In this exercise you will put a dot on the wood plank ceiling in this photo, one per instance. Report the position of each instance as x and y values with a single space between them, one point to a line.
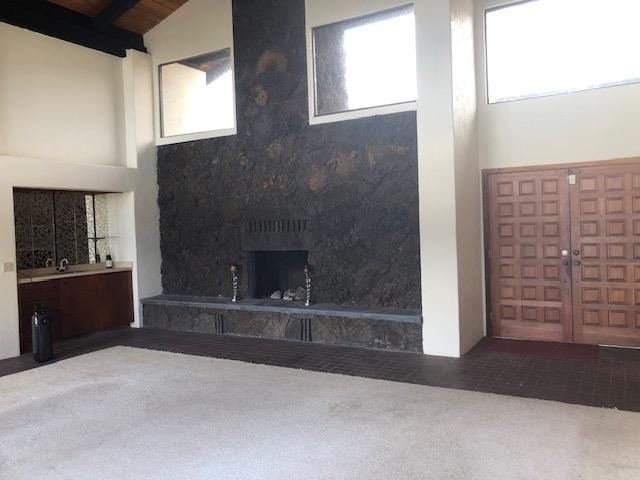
140 18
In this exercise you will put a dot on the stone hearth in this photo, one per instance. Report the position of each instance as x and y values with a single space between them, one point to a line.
386 329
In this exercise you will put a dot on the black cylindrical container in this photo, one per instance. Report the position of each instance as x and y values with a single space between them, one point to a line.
41 335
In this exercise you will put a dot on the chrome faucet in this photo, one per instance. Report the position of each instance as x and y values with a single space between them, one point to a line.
64 263
49 263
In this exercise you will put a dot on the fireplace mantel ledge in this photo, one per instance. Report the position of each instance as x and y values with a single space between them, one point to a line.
280 306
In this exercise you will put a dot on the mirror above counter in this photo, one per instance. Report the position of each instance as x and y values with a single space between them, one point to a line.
52 226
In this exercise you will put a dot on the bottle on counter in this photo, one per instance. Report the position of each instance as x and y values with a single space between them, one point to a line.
109 261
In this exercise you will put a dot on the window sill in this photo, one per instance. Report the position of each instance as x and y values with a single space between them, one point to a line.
190 137
363 113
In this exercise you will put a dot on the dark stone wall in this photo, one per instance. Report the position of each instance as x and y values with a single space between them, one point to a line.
347 192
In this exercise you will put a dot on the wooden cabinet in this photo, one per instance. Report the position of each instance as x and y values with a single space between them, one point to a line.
113 313
78 305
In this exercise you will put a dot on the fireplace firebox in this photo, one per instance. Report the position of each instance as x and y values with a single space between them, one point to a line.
272 271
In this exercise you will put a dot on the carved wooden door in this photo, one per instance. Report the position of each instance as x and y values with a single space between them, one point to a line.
605 219
564 254
529 219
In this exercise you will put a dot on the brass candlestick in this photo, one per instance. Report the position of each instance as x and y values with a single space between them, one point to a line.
234 281
307 284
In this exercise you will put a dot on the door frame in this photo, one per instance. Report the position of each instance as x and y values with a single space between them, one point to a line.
485 172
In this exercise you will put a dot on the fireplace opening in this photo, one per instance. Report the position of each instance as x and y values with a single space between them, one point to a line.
277 271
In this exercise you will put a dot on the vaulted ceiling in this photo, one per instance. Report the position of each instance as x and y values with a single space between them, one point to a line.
111 26
138 17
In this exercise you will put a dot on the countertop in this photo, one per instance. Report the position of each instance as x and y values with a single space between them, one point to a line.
45 274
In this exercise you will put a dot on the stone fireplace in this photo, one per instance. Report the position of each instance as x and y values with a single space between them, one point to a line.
342 197
346 192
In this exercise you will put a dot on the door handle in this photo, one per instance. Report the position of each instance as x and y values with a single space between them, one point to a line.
565 263
577 263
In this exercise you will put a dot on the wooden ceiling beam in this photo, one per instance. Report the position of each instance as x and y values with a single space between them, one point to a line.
59 22
112 12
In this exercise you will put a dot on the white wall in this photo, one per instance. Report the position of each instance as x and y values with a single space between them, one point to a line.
323 12
86 160
575 127
58 100
449 178
210 28
436 182
467 172
178 81
142 155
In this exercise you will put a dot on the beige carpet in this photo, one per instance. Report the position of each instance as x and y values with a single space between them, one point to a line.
126 413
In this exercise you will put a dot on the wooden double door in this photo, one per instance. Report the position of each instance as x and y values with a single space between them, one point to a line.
564 254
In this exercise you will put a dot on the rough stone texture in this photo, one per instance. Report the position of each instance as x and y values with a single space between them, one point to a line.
353 185
263 325
366 333
378 334
329 69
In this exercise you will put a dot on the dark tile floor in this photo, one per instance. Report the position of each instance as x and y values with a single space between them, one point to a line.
596 376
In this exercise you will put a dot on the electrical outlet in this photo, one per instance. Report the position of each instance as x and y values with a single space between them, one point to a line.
8 267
